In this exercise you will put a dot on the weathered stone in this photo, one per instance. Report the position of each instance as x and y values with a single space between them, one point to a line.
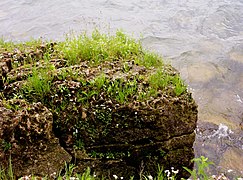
126 139
26 137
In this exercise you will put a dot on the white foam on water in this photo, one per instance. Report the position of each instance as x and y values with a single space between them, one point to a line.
222 131
239 99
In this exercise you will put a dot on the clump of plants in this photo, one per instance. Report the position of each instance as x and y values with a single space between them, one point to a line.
99 47
200 172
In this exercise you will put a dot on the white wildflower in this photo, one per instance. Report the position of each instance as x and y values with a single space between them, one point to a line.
213 176
73 178
150 177
175 172
167 172
115 176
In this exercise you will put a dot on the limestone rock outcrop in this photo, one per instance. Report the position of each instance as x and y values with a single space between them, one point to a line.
27 139
116 117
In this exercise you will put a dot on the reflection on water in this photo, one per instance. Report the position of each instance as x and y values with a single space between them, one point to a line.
203 39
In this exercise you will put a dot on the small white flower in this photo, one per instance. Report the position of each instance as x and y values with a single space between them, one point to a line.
230 170
53 174
73 178
115 176
175 172
121 177
150 177
167 172
213 176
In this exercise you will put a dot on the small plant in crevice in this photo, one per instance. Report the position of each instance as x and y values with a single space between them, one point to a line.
161 175
69 168
5 145
122 90
202 166
10 105
150 59
100 82
87 175
108 155
38 84
7 174
161 80
179 86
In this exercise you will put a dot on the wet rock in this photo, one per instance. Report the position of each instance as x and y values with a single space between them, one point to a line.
26 137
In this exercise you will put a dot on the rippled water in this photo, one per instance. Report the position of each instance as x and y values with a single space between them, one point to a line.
203 39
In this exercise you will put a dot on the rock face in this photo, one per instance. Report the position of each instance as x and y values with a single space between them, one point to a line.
140 138
26 136
118 117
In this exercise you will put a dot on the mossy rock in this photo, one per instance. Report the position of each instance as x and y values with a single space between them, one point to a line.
114 105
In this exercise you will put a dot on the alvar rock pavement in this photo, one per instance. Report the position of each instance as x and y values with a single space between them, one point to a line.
109 116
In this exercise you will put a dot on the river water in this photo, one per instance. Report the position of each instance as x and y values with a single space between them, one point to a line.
203 39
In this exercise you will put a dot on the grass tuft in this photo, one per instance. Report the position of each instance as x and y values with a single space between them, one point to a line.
98 48
39 83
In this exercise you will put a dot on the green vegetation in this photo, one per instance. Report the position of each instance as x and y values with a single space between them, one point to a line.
95 50
202 164
7 174
161 80
99 48
5 146
122 90
38 84
201 172
149 59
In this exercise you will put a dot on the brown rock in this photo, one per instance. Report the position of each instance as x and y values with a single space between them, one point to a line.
33 149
